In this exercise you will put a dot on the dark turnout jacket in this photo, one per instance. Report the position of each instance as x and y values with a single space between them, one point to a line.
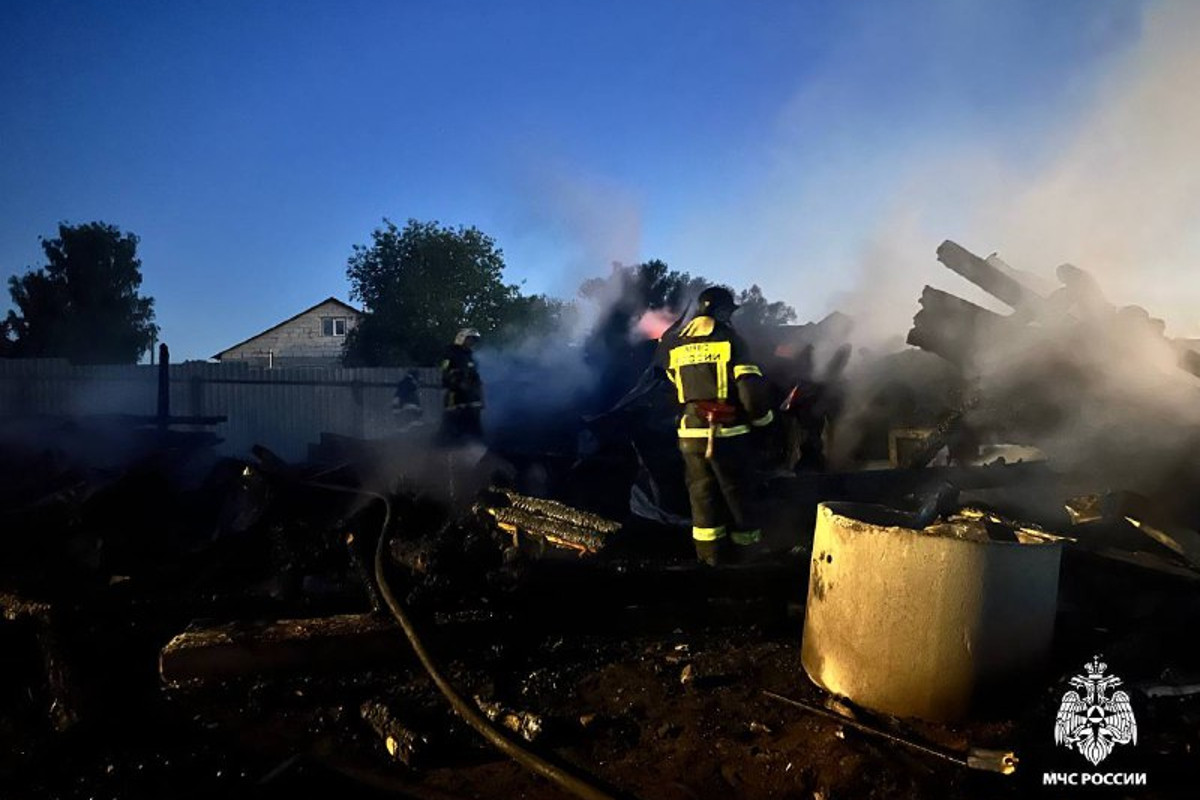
715 381
460 378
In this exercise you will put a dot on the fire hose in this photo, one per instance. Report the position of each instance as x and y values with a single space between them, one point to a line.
531 761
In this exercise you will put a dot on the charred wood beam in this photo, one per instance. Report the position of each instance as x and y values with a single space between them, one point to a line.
988 277
234 649
14 608
892 485
61 690
526 724
402 742
567 595
554 531
946 433
954 328
561 511
936 336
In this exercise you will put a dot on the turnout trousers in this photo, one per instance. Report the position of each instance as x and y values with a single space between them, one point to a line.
721 491
461 425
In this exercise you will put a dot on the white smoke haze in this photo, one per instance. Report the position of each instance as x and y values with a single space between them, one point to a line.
1119 196
1115 190
1104 400
1123 198
598 222
535 386
1113 186
854 204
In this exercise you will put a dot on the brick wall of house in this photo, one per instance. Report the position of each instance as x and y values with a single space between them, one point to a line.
298 342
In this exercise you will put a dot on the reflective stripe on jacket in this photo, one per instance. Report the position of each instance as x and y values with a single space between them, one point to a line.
707 362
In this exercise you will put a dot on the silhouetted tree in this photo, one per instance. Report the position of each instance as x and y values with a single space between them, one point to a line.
630 290
754 309
635 288
82 305
531 316
423 282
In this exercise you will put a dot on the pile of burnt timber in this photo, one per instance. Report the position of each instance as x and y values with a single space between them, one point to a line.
550 521
1067 369
1033 368
964 333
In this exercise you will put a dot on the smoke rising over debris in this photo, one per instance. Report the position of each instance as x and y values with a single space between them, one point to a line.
1122 197
1116 192
1099 389
598 221
1120 200
1111 186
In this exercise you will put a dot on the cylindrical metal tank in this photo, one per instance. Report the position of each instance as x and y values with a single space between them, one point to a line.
922 623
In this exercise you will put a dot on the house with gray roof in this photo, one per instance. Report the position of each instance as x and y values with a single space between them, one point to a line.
312 338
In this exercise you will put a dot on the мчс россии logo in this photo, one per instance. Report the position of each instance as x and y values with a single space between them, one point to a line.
1096 718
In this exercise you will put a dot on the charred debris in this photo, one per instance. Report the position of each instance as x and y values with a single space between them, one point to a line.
526 619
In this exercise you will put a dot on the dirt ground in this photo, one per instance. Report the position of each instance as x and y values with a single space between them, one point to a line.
678 715
647 675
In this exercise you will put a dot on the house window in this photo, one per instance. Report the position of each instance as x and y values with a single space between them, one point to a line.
333 326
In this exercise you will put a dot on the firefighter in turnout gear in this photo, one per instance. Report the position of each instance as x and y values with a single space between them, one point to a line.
724 399
464 390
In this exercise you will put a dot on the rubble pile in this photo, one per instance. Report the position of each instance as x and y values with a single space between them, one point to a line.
173 623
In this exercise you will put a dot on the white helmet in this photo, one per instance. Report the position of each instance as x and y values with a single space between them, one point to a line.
461 337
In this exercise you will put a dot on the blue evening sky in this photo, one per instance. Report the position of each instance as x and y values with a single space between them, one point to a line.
251 144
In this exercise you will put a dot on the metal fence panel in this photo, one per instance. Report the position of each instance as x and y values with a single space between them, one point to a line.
284 409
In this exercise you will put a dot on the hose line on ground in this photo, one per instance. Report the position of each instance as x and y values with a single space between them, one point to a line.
531 761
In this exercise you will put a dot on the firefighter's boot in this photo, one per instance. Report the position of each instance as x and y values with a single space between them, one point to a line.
713 552
747 547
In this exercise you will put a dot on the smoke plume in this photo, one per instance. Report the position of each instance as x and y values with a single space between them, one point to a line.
1117 193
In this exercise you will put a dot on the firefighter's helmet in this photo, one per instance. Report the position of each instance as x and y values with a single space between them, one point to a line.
716 301
463 335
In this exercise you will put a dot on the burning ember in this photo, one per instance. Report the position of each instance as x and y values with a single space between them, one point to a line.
654 323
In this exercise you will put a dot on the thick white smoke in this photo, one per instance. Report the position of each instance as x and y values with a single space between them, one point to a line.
1123 197
594 222
1117 192
1113 187
1111 184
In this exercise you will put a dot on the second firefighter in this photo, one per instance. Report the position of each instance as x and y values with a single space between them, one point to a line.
464 390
